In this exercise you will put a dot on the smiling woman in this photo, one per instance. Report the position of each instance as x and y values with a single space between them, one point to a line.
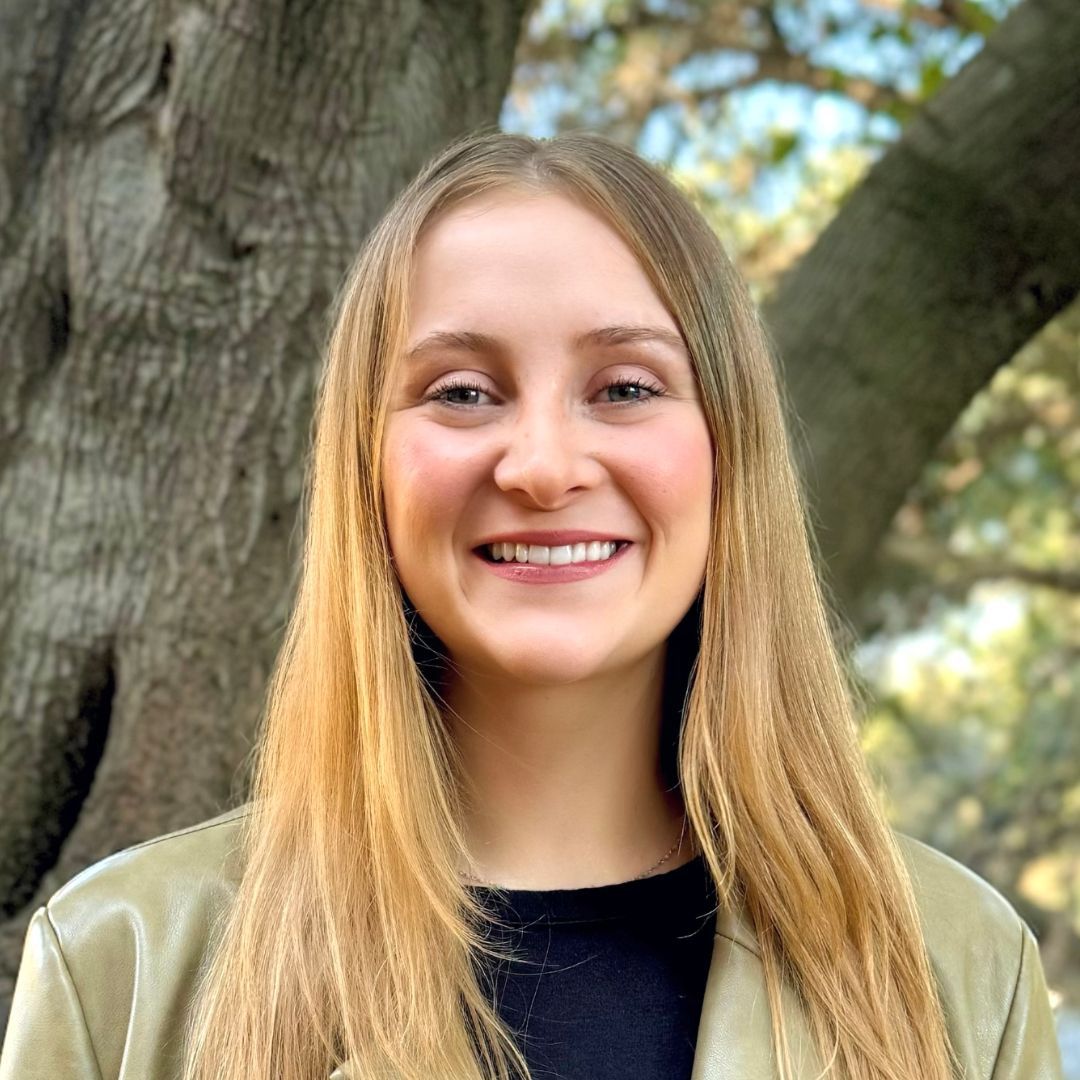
560 666
531 310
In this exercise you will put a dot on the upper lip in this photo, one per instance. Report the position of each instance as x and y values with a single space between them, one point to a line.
549 537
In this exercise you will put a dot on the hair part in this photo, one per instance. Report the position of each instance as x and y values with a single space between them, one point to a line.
351 937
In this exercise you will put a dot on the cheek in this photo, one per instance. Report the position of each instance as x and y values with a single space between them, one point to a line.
424 485
675 473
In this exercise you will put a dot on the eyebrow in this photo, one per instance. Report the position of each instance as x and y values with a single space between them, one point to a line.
476 342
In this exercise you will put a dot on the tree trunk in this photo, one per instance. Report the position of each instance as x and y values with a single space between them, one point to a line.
960 244
182 188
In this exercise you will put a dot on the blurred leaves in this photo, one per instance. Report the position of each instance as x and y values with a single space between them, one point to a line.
975 662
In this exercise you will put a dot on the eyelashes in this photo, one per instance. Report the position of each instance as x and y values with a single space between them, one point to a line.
438 394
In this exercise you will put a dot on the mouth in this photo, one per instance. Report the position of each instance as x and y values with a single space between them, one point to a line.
484 552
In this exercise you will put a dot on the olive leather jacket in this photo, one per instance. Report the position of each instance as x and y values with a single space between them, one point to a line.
110 964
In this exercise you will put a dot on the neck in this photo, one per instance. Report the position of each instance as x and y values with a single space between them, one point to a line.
562 784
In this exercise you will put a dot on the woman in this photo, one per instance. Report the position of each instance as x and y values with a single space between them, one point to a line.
559 770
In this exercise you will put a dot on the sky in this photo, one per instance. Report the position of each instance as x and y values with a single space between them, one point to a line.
870 43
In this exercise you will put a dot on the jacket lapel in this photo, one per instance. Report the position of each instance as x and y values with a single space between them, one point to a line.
734 1038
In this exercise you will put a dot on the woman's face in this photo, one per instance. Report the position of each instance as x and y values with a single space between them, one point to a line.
510 414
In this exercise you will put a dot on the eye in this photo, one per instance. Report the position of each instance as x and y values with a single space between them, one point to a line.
653 390
438 395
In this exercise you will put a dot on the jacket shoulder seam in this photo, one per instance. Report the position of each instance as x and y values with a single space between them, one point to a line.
62 960
1012 999
735 941
214 823
120 857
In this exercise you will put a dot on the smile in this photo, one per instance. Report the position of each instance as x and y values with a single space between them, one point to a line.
564 555
553 573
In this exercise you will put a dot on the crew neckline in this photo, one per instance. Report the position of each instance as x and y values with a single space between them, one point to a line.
687 888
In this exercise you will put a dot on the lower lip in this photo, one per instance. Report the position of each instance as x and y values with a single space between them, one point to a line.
527 574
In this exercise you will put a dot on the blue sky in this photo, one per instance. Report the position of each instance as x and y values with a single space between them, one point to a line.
869 43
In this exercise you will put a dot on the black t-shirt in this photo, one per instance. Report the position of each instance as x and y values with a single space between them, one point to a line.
610 979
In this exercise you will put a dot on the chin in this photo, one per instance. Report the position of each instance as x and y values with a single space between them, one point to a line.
542 662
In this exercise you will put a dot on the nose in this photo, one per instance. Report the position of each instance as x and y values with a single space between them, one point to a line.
545 453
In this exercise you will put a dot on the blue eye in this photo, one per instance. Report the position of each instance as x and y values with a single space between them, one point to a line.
639 384
438 394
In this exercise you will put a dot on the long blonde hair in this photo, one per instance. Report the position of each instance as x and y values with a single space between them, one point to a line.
351 937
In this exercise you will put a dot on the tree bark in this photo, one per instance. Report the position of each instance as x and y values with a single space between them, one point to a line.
182 187
960 244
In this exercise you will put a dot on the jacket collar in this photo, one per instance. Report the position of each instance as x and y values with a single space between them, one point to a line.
734 1037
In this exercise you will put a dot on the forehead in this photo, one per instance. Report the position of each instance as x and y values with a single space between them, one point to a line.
502 212
538 251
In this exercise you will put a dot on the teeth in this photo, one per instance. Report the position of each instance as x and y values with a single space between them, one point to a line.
538 554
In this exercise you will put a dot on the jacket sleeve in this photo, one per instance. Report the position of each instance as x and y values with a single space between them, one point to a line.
1029 1048
46 1033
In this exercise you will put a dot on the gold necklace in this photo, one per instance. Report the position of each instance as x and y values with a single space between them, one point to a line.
663 858
671 851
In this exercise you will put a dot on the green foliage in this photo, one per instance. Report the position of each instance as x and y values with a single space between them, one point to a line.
977 18
975 731
931 76
781 145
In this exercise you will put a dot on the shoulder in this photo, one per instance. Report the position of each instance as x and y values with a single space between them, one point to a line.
965 919
984 959
986 962
954 901
130 934
191 866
